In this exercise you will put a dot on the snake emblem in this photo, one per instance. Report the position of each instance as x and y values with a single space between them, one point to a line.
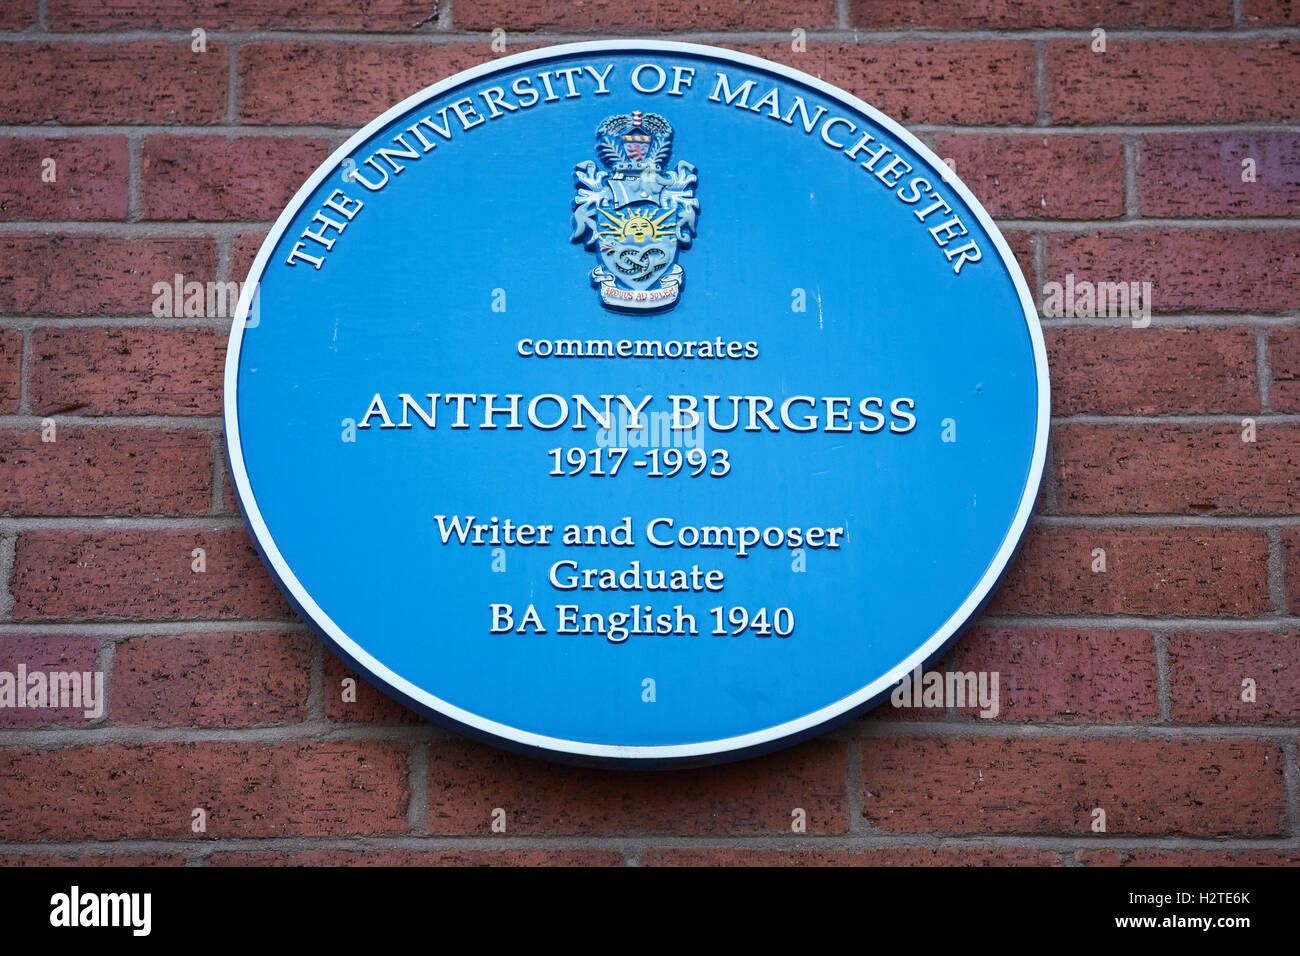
640 266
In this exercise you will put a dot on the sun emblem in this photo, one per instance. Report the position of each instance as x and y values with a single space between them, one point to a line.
634 226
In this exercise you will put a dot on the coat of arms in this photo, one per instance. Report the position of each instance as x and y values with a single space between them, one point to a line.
634 213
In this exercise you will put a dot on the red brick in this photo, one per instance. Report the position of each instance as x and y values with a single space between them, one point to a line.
1291 567
83 275
605 15
371 706
1019 14
46 858
912 706
956 81
212 178
107 15
1284 362
1199 571
147 81
1051 785
1040 177
245 679
90 178
953 82
1270 12
882 856
1206 673
1191 270
1177 469
343 84
105 471
17 14
1022 247
1201 175
127 371
907 711
1063 675
1171 81
11 357
1188 858
1152 371
512 858
243 250
120 792
141 575
467 781
45 653
228 504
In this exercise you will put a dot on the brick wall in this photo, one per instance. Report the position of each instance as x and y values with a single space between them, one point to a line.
1121 689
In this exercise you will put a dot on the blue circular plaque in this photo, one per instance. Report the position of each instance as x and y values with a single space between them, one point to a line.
636 403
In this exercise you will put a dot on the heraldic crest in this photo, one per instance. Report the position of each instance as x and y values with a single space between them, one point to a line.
634 213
